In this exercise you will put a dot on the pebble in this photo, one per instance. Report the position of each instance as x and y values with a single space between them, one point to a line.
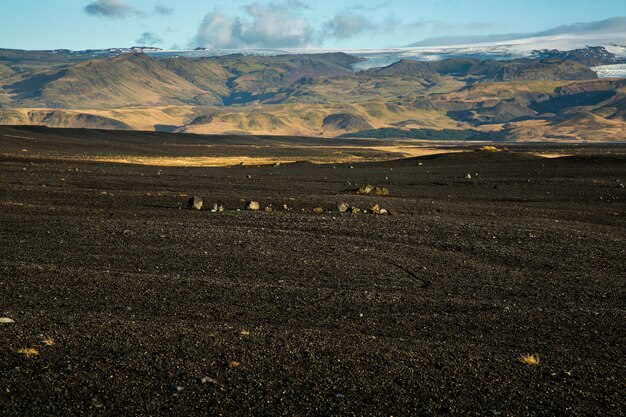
342 207
217 207
6 320
468 176
208 380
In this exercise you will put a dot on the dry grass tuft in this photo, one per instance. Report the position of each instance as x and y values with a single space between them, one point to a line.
28 352
530 360
48 341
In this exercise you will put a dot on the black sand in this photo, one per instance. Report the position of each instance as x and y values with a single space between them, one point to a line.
422 313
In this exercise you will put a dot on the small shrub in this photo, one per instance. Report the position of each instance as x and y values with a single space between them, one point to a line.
530 360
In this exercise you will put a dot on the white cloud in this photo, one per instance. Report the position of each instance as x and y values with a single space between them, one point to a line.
612 25
273 25
163 10
346 24
119 9
112 9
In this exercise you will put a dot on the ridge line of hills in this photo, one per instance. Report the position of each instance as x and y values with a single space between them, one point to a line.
317 95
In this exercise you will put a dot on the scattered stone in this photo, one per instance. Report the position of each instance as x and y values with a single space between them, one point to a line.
249 176
354 210
392 212
383 212
277 164
371 190
253 206
6 320
96 403
217 207
195 202
620 185
468 176
208 380
286 207
268 209
342 207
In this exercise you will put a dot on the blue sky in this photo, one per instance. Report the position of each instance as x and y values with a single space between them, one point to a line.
337 24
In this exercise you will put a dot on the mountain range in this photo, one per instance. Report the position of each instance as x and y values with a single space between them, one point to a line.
551 95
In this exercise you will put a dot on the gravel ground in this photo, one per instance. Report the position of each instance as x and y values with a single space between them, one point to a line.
136 305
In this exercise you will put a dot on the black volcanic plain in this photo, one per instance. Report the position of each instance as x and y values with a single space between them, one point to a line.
155 309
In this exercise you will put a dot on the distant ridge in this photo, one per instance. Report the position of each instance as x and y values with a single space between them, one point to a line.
555 95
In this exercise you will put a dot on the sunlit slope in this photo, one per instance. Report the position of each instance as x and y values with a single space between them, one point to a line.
317 95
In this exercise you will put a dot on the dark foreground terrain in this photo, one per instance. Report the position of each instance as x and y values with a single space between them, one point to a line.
136 305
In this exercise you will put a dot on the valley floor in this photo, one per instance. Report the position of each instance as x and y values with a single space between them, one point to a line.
136 305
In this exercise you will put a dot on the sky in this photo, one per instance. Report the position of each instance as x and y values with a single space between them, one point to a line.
330 24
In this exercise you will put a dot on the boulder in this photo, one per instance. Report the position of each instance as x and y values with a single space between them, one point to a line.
195 202
253 205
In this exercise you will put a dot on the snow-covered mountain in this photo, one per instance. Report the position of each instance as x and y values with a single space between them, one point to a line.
606 51
614 44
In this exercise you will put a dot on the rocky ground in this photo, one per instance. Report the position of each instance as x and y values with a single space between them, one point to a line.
118 300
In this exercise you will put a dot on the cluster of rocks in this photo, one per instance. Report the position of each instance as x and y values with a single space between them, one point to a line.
196 203
371 190
344 207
